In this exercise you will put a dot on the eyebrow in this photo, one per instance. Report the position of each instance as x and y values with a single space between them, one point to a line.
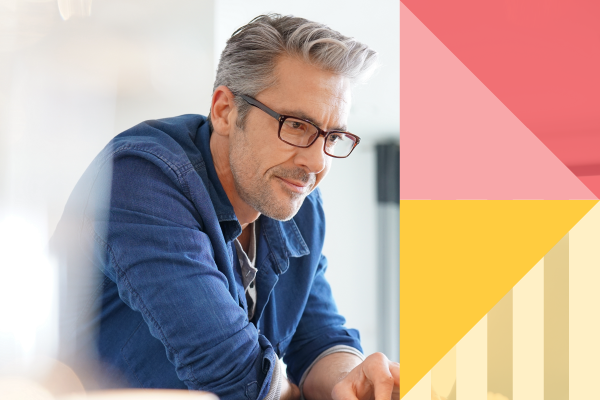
300 114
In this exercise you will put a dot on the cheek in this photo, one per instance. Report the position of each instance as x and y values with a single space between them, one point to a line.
323 173
277 154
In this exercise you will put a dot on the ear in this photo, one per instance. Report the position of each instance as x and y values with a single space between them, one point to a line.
223 112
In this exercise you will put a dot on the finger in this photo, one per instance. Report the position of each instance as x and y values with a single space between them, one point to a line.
396 393
395 371
343 391
381 377
383 387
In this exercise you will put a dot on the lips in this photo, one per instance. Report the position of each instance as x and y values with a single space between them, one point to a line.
295 183
296 186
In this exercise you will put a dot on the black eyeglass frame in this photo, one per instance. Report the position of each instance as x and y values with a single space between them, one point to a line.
281 118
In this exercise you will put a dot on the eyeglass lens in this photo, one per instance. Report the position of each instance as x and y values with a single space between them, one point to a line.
301 133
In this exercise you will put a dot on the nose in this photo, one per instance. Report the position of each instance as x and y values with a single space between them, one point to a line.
312 158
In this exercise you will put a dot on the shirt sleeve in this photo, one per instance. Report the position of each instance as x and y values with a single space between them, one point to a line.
321 328
334 349
153 245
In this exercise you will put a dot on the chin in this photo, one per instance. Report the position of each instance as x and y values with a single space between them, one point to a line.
280 214
283 211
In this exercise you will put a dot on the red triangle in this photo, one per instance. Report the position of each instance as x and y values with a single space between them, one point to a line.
458 141
540 58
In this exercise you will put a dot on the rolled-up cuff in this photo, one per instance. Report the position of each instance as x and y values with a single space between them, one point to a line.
335 349
274 392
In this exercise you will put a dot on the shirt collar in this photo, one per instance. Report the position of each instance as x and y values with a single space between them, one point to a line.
283 237
226 216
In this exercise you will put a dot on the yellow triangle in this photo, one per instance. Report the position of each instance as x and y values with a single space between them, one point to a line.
458 258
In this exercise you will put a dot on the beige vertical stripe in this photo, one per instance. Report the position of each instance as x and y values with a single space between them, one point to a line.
443 375
584 307
471 364
556 321
528 335
500 347
421 391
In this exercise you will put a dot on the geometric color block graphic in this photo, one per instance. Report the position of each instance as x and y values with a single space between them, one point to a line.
551 313
584 307
443 375
528 335
422 390
556 322
539 58
471 359
460 258
458 140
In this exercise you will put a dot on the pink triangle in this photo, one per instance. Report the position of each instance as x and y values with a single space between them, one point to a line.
458 141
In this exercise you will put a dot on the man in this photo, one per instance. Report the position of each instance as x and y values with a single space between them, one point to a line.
205 236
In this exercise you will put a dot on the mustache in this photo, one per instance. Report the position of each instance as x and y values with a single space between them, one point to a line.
297 174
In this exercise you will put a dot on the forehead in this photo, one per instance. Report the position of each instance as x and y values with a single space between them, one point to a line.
320 95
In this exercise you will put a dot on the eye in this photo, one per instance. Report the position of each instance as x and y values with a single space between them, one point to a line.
295 125
335 137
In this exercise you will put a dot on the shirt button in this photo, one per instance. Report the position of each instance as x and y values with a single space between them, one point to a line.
259 331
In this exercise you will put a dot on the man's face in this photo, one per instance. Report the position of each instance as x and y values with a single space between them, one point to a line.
274 177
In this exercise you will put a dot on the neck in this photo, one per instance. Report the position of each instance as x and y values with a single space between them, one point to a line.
219 149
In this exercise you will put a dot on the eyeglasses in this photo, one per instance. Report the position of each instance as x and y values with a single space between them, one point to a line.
299 132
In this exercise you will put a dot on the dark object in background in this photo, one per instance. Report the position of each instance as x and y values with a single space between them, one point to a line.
388 248
388 173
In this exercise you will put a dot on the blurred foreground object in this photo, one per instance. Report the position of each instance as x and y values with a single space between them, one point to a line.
17 388
70 8
135 394
28 300
56 379
59 382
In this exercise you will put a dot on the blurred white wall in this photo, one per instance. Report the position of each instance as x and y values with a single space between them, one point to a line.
81 81
74 73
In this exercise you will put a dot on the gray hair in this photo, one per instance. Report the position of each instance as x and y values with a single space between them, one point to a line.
249 58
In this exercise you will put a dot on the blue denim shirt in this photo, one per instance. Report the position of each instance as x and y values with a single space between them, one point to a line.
150 218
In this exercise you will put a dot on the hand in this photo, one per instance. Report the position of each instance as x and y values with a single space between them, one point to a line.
375 378
289 391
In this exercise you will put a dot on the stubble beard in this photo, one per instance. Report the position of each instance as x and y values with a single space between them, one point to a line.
257 191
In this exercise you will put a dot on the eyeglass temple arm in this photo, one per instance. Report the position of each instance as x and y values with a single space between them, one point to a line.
258 104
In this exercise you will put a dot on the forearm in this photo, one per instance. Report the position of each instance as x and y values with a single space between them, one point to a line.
326 373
